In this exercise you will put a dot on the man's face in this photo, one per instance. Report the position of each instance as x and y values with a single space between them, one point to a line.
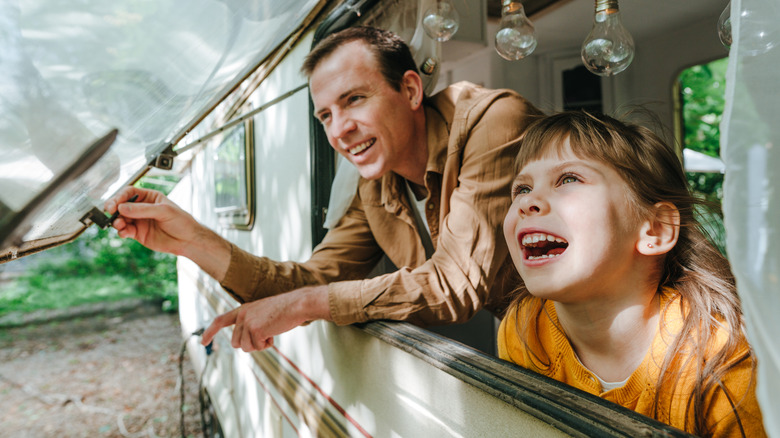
367 121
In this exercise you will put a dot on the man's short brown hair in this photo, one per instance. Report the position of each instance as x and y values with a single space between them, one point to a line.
390 51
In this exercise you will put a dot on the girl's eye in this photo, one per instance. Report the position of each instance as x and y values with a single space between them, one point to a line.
566 179
354 98
324 118
520 189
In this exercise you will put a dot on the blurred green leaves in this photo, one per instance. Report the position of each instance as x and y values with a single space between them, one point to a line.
98 266
703 98
702 92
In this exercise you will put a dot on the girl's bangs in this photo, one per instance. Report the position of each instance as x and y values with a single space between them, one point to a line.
548 136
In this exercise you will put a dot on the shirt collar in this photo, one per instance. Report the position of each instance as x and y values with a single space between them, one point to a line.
438 132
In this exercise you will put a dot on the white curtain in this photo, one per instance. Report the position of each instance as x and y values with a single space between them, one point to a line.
750 143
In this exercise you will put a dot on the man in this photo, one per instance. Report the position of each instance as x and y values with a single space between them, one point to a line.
452 155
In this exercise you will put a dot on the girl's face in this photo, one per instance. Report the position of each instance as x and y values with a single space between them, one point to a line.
570 230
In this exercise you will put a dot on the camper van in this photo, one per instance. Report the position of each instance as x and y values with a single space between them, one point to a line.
98 94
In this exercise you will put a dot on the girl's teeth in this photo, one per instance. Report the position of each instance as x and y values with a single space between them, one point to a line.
530 239
545 256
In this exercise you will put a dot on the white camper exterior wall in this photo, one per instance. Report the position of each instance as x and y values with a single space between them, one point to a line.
281 231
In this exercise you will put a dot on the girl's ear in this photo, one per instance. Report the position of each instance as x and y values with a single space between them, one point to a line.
659 234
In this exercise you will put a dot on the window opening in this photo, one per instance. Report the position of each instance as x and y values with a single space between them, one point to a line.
581 90
702 90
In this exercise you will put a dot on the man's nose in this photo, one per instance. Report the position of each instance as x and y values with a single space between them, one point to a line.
341 125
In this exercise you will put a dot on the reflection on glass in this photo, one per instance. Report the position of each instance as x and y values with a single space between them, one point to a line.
233 168
441 20
724 26
758 30
73 71
515 38
609 48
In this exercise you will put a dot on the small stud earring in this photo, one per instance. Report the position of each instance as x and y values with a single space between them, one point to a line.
649 245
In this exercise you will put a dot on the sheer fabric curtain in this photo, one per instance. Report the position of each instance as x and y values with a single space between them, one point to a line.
750 145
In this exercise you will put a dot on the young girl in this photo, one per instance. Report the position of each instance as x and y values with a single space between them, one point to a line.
623 296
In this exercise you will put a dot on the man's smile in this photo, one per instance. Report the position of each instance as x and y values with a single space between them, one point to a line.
362 146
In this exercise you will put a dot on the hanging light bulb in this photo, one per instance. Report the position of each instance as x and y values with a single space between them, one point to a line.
724 26
609 48
515 38
441 20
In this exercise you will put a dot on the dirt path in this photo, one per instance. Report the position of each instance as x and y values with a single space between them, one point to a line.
110 375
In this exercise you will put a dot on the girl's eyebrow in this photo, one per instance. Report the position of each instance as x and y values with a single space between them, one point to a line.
560 168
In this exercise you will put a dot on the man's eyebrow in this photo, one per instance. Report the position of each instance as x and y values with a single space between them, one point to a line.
342 96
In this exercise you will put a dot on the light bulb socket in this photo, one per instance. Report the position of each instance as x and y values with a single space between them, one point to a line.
511 7
607 5
429 66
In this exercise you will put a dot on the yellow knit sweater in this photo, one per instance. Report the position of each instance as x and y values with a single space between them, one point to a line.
550 353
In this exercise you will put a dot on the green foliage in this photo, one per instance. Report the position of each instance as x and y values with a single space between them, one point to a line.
703 89
98 266
161 183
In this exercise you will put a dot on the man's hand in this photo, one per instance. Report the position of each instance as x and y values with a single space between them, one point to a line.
159 224
154 221
257 323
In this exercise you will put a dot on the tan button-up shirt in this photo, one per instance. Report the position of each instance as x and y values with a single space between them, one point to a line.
473 136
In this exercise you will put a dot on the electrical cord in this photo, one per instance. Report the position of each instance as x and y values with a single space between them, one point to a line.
198 332
201 393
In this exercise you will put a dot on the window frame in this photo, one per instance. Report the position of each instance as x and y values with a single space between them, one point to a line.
241 217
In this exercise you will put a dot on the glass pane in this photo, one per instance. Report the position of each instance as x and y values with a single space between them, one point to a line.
232 163
73 71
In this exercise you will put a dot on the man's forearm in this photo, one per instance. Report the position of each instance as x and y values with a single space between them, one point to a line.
313 302
211 252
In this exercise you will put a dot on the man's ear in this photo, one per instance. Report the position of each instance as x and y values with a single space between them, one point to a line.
660 232
412 87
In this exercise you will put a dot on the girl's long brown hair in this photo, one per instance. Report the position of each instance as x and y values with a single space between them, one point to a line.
694 268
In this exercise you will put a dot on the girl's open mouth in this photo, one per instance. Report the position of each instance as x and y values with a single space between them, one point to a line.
538 246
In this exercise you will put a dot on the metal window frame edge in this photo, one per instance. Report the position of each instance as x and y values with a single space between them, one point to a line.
567 408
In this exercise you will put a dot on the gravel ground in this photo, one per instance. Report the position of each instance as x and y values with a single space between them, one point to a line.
108 375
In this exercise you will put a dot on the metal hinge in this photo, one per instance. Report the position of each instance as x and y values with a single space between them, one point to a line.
95 216
164 160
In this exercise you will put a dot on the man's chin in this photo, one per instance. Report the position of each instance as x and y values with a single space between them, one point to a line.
370 173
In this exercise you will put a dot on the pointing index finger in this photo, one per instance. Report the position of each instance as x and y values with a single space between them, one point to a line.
220 322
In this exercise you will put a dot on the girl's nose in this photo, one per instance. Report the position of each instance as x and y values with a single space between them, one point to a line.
532 204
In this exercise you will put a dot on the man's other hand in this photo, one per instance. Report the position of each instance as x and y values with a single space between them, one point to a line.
257 323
